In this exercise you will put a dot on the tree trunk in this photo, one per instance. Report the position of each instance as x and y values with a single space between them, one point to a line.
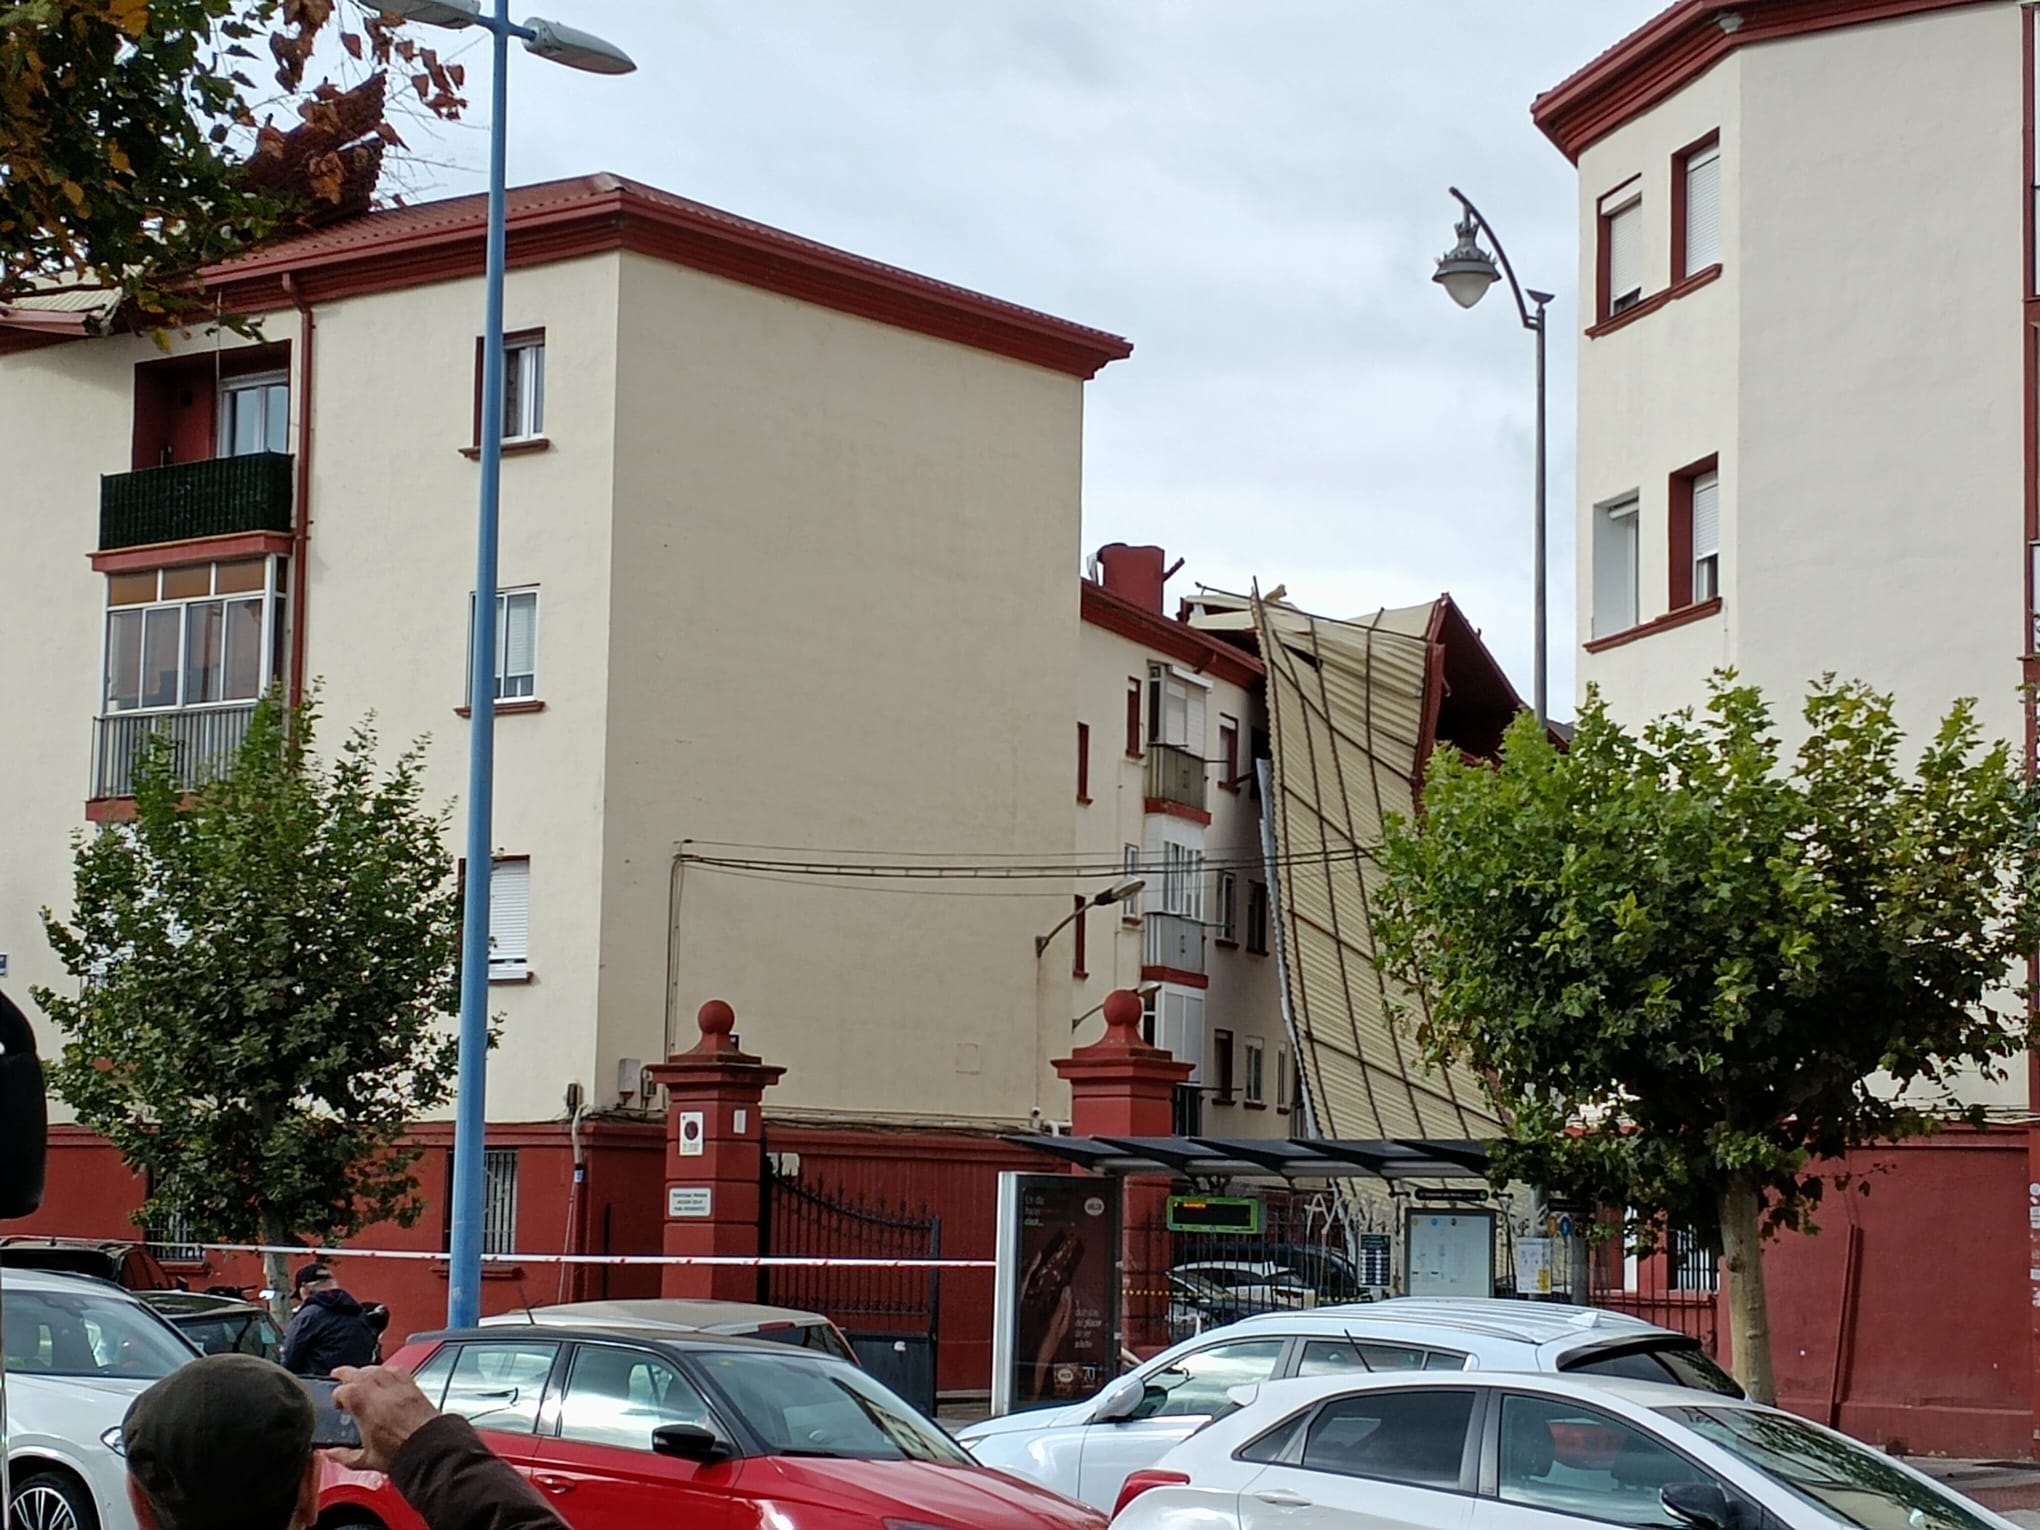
1749 1311
276 1268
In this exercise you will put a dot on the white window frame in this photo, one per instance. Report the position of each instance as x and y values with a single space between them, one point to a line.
1228 906
1706 558
1166 683
271 596
1255 1074
1130 861
524 361
1612 517
509 923
503 675
223 426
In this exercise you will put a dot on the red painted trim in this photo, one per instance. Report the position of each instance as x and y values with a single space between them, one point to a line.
1170 809
1679 524
1135 748
1080 931
1679 158
1172 975
1665 623
1083 762
519 448
246 544
110 810
506 709
1654 302
1680 44
563 220
1178 640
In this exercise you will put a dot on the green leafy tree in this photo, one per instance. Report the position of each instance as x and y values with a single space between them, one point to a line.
264 965
1697 974
136 146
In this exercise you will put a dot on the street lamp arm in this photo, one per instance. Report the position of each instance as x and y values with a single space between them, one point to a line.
1531 322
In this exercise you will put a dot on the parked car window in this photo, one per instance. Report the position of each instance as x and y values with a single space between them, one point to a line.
1558 1455
498 1386
1444 1360
1332 1357
1276 1443
1417 1438
1680 1365
1198 1382
231 1333
60 1333
618 1396
1848 1482
431 1376
804 1405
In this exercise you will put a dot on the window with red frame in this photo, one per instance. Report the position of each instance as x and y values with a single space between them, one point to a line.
1079 945
1695 534
1619 267
1136 740
1083 762
1228 753
1696 208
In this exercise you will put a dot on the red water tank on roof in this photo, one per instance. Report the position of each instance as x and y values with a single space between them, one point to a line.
1137 573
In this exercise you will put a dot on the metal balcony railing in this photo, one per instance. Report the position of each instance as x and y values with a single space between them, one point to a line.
204 740
1174 774
221 497
1170 940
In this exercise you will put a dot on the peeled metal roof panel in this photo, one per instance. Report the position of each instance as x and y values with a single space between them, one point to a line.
1347 703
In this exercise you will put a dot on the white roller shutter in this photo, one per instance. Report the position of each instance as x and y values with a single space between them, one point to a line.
1625 257
509 919
1706 516
1703 209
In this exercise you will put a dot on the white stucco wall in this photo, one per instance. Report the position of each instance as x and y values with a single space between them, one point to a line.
843 621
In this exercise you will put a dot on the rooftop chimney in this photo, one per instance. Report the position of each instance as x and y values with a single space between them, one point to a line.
1134 573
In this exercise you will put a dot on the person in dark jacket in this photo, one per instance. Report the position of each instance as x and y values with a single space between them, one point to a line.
227 1442
331 1328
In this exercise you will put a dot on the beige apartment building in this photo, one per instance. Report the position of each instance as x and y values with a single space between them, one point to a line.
1807 445
775 520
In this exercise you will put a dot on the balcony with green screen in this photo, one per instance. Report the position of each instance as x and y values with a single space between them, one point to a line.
225 496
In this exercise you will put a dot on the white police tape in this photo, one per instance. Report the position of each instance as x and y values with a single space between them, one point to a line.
748 1261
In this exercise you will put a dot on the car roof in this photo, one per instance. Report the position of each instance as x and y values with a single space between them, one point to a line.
191 1303
1654 1395
26 1278
663 1312
1517 1321
688 1339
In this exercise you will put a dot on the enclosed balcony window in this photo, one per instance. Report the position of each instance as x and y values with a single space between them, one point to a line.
188 650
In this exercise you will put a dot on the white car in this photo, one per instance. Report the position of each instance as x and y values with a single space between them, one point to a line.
79 1350
1501 1452
1085 1450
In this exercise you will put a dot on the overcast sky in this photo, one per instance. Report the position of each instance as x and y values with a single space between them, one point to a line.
1253 194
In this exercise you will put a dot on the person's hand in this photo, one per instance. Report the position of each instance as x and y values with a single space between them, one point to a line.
387 1407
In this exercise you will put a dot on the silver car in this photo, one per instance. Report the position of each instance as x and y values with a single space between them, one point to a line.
1086 1449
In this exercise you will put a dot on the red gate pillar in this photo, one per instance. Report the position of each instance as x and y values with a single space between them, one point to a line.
1120 1086
715 1159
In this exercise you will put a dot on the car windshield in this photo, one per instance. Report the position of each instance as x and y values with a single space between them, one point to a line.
81 1333
1848 1482
802 1405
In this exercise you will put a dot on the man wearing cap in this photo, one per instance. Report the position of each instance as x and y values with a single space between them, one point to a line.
330 1329
225 1443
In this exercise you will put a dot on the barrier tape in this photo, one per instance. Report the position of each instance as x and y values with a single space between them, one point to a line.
746 1261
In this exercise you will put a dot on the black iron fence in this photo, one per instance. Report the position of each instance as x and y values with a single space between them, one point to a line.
891 1317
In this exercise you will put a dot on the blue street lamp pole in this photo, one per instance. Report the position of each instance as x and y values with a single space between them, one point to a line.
579 50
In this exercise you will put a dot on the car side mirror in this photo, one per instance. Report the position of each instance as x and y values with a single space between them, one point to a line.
1703 1505
687 1442
1119 1401
24 1115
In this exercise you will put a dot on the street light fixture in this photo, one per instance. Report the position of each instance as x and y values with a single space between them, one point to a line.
578 50
1466 271
1105 899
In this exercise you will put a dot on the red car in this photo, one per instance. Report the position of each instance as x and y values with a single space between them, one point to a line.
624 1429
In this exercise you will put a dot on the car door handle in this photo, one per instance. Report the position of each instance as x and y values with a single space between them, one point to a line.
553 1482
1283 1500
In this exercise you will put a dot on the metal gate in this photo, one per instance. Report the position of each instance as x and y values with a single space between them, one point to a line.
891 1317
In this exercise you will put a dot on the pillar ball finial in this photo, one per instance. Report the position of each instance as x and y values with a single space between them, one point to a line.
1123 1012
716 1020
